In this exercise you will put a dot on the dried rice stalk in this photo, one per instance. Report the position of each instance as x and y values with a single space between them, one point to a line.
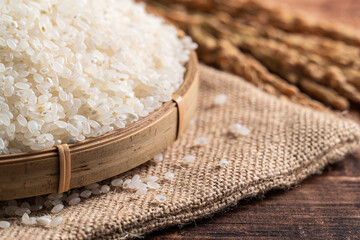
336 52
233 60
223 54
282 60
324 94
253 10
286 50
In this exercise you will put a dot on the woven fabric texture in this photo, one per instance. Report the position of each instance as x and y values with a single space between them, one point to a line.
287 143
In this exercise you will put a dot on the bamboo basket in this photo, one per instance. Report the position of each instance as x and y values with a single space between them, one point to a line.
64 167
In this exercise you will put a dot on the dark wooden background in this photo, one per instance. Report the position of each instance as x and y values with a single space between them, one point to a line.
325 206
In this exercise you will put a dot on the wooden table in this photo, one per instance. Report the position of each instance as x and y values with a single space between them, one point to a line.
325 206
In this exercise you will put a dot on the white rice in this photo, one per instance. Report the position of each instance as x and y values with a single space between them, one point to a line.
4 224
223 162
201 141
56 221
220 99
238 129
72 70
169 176
160 198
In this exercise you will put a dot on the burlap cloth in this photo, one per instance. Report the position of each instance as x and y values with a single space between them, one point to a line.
287 143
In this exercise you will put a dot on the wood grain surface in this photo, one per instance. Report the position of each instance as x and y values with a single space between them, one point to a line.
326 206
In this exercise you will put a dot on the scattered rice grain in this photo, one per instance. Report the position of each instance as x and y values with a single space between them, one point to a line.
96 191
238 129
151 178
159 157
152 185
4 224
74 201
126 183
223 162
188 159
220 99
54 196
169 176
25 219
25 205
92 186
58 208
56 221
201 141
85 194
160 198
117 182
21 211
43 221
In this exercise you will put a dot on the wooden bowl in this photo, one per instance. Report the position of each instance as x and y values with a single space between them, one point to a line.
93 160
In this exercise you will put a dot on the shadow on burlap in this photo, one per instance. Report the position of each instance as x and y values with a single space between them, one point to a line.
287 143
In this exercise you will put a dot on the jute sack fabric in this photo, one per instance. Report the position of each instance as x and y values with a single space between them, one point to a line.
287 143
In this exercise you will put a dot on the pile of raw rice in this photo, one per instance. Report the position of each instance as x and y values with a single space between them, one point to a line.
71 70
